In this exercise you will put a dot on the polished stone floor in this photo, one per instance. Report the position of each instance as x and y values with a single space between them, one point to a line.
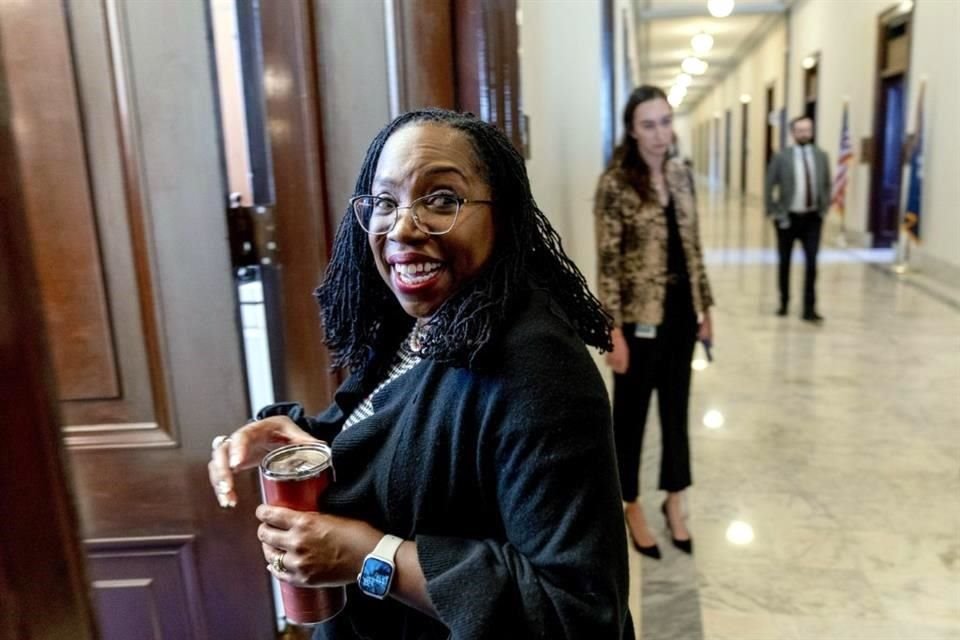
826 459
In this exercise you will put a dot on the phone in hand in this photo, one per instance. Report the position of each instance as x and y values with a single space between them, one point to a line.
707 348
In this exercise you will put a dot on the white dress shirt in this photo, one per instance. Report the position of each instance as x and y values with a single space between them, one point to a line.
799 202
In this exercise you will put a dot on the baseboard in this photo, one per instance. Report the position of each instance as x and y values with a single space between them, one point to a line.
936 268
859 239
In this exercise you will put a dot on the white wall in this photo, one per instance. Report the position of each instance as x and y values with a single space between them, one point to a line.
845 36
935 52
561 85
761 68
560 77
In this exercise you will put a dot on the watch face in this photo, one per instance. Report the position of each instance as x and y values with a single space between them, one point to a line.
375 577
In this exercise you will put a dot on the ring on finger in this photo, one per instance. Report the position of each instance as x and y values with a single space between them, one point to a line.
223 487
277 563
219 440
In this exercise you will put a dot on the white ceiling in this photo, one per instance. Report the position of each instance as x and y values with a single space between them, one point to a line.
665 28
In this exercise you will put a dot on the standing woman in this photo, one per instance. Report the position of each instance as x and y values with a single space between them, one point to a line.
653 283
475 496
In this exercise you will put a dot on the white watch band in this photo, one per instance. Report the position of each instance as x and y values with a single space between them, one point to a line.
386 549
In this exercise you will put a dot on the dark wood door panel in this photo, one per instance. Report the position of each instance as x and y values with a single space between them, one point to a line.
488 68
304 235
42 573
57 198
149 146
153 582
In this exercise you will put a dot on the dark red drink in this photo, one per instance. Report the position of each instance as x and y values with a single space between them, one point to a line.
297 477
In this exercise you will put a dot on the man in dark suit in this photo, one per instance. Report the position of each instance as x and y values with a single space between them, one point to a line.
797 197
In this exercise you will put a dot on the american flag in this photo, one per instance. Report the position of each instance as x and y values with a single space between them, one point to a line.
841 178
911 219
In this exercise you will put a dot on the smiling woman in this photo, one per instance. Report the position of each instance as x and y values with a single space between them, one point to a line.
424 264
475 494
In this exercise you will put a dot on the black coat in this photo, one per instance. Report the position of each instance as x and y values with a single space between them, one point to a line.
504 476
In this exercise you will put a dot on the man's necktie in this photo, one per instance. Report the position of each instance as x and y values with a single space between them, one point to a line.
806 177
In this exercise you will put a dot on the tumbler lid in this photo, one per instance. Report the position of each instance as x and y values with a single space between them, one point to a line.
296 461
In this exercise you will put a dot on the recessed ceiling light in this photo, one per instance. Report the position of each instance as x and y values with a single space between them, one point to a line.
694 66
701 43
720 8
683 80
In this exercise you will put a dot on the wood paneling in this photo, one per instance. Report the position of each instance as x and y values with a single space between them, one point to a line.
57 196
42 581
423 33
488 73
151 148
153 581
142 415
303 228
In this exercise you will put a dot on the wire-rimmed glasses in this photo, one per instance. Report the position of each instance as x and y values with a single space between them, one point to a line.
434 214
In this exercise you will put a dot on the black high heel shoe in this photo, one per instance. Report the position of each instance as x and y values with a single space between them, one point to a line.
653 551
684 545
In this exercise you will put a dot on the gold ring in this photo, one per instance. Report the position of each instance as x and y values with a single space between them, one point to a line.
278 562
219 440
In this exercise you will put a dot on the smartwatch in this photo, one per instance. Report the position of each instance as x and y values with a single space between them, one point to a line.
376 574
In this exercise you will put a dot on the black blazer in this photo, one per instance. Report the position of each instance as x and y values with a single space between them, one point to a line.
506 479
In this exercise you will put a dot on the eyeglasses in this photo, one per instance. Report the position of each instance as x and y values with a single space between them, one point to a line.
434 214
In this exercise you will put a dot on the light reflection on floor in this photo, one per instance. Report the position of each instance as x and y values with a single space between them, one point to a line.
826 502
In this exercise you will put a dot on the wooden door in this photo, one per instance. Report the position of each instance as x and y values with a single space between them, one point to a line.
888 171
43 591
117 135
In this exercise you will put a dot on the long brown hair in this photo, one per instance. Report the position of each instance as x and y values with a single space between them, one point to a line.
627 154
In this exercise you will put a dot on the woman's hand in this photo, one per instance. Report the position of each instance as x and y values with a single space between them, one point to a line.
319 550
619 358
245 447
705 333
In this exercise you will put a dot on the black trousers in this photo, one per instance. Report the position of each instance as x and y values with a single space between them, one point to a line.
662 364
806 228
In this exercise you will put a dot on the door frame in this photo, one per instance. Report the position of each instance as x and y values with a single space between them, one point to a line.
889 17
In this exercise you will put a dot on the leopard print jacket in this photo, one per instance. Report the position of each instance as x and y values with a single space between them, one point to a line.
632 246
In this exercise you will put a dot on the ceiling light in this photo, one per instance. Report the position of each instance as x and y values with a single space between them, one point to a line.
683 80
809 62
679 91
745 98
720 8
694 66
701 43
674 100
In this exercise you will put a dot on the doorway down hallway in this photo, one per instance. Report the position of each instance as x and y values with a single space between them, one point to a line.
826 462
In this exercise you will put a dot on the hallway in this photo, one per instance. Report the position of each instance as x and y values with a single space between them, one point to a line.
826 498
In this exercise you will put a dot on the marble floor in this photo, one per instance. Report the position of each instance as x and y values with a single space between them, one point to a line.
826 459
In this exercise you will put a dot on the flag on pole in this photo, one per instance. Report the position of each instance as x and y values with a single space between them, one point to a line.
911 219
838 196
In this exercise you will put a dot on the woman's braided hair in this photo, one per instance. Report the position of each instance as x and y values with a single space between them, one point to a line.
362 319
